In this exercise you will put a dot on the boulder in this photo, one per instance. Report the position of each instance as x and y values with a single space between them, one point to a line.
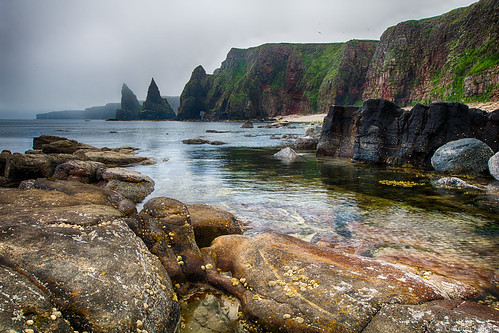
494 166
296 286
165 227
210 222
63 146
131 184
74 265
464 156
83 171
286 154
39 141
436 316
21 166
195 142
306 143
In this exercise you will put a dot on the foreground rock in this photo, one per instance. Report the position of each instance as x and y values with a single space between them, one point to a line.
72 264
464 156
381 132
131 184
210 222
437 316
298 287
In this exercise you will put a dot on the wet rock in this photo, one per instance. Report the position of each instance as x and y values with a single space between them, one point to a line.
195 142
338 132
306 143
166 229
464 156
21 166
131 184
82 171
25 306
436 316
112 158
286 154
494 166
210 222
300 287
247 124
455 183
73 251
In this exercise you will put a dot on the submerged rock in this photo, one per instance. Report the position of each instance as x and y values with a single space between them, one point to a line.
287 154
455 183
464 156
247 124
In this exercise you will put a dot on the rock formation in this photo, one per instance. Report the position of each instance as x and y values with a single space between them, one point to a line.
130 106
381 132
278 79
155 107
452 57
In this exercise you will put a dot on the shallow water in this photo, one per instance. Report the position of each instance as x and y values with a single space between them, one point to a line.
322 200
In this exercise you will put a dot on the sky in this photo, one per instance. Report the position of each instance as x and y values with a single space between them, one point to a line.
72 54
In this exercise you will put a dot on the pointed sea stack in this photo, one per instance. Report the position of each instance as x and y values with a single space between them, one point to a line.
155 107
130 106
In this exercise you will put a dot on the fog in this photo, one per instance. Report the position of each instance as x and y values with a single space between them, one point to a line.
62 55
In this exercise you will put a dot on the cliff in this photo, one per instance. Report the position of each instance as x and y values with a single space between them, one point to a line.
278 79
452 57
95 112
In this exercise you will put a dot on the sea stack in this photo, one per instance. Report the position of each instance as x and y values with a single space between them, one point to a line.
130 106
155 107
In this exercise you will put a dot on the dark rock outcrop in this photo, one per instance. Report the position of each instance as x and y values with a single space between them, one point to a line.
62 266
381 132
155 107
463 156
130 106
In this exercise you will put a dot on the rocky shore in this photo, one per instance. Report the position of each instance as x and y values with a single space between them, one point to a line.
76 255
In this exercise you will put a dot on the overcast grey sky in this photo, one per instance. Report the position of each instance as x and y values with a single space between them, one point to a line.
72 54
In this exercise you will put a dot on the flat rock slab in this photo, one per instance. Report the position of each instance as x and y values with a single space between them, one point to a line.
300 287
80 262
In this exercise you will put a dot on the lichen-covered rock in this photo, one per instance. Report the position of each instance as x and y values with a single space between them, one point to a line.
464 156
165 227
210 222
83 171
24 306
85 261
286 154
300 287
131 184
494 166
437 316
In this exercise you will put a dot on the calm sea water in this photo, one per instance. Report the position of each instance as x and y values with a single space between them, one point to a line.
331 200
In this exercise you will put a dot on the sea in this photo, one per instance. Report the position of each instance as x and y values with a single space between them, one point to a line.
365 209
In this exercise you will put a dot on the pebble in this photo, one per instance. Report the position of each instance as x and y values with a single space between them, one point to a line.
30 322
300 320
286 316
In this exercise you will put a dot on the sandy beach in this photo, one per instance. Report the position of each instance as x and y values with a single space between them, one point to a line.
319 117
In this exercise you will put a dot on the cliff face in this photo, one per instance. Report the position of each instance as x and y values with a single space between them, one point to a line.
452 57
278 79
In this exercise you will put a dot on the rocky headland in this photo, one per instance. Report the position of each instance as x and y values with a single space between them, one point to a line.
76 255
451 57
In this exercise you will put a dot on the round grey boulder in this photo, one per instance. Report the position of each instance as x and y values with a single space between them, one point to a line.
494 166
464 156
